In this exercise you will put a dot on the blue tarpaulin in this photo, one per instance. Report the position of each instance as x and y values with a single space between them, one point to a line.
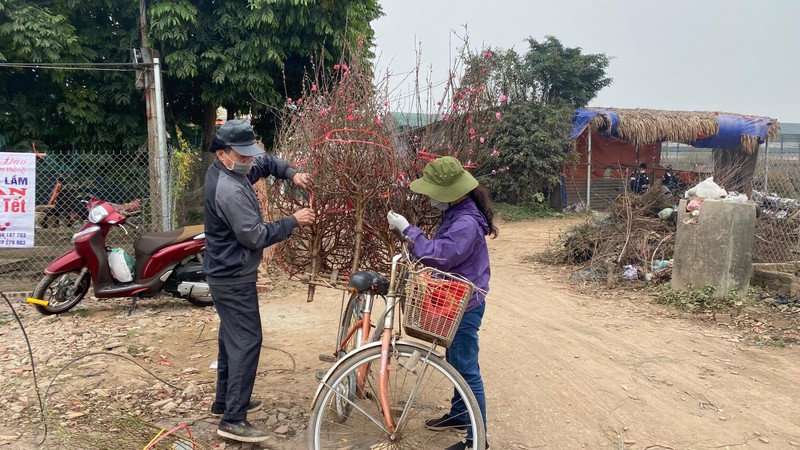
731 128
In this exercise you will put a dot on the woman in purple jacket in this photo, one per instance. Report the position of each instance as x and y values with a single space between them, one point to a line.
459 246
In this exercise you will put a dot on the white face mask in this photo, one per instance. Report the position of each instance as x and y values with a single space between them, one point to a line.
442 206
239 167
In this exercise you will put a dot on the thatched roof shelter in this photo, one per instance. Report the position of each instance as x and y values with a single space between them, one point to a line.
647 126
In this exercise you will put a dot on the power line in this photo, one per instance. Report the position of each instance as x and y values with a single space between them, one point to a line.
110 67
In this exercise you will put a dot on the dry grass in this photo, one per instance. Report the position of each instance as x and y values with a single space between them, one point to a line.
646 126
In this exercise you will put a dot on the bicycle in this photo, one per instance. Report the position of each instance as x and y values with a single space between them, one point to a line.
379 393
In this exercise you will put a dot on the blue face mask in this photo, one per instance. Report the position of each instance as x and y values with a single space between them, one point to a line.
239 168
441 206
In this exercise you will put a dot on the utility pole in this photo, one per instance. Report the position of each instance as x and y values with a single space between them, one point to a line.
160 210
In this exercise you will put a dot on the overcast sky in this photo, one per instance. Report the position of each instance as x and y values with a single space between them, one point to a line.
716 55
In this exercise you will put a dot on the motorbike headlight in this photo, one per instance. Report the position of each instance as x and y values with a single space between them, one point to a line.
97 214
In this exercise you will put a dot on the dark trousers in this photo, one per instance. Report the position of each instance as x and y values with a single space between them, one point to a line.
463 356
239 347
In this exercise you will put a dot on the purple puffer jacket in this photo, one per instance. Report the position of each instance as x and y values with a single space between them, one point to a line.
459 246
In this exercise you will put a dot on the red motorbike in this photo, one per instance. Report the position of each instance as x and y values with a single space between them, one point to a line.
169 262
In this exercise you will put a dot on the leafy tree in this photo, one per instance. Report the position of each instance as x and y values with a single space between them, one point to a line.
562 74
540 90
249 55
90 110
235 53
531 140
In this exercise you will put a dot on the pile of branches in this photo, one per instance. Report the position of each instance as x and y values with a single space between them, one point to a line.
631 234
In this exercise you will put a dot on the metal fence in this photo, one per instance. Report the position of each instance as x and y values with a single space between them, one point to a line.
112 176
775 189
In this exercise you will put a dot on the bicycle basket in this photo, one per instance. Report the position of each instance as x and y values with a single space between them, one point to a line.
434 305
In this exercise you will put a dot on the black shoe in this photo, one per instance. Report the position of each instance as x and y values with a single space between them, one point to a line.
445 423
218 410
241 431
465 444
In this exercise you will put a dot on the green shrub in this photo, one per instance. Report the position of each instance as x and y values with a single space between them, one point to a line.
515 213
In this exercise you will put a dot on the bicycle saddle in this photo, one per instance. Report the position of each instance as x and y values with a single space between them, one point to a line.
367 280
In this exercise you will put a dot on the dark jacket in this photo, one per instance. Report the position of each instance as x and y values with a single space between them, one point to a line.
459 246
235 230
638 182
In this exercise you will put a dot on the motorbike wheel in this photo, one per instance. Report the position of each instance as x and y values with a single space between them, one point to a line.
60 293
200 301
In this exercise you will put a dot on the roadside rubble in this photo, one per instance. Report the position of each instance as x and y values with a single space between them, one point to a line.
103 370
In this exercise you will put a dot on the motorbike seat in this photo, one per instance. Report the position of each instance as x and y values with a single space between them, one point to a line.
148 243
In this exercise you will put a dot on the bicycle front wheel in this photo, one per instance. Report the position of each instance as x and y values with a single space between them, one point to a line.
421 387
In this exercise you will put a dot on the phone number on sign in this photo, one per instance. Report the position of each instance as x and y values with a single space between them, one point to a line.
13 235
10 242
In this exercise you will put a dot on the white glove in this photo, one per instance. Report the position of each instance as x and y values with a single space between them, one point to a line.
396 221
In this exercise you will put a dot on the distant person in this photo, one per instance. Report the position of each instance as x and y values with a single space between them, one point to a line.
670 180
639 180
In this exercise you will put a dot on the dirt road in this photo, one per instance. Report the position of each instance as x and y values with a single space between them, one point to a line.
562 370
568 371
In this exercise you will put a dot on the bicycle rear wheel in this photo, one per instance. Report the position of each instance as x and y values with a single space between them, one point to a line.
420 388
347 388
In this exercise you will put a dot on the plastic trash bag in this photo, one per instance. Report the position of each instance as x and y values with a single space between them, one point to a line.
707 189
121 265
694 205
737 198
630 273
665 213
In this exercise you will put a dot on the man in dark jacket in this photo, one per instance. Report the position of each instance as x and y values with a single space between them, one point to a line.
639 180
236 235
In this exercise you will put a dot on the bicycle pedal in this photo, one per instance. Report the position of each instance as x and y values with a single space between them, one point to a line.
327 357
320 375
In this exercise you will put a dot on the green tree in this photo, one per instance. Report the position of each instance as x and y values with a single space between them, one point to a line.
91 110
540 91
562 74
237 53
531 142
249 55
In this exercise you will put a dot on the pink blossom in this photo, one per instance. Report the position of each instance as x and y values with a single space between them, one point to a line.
483 139
345 68
378 121
313 88
498 116
503 97
472 131
481 88
335 67
487 54
494 171
495 153
288 99
351 117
